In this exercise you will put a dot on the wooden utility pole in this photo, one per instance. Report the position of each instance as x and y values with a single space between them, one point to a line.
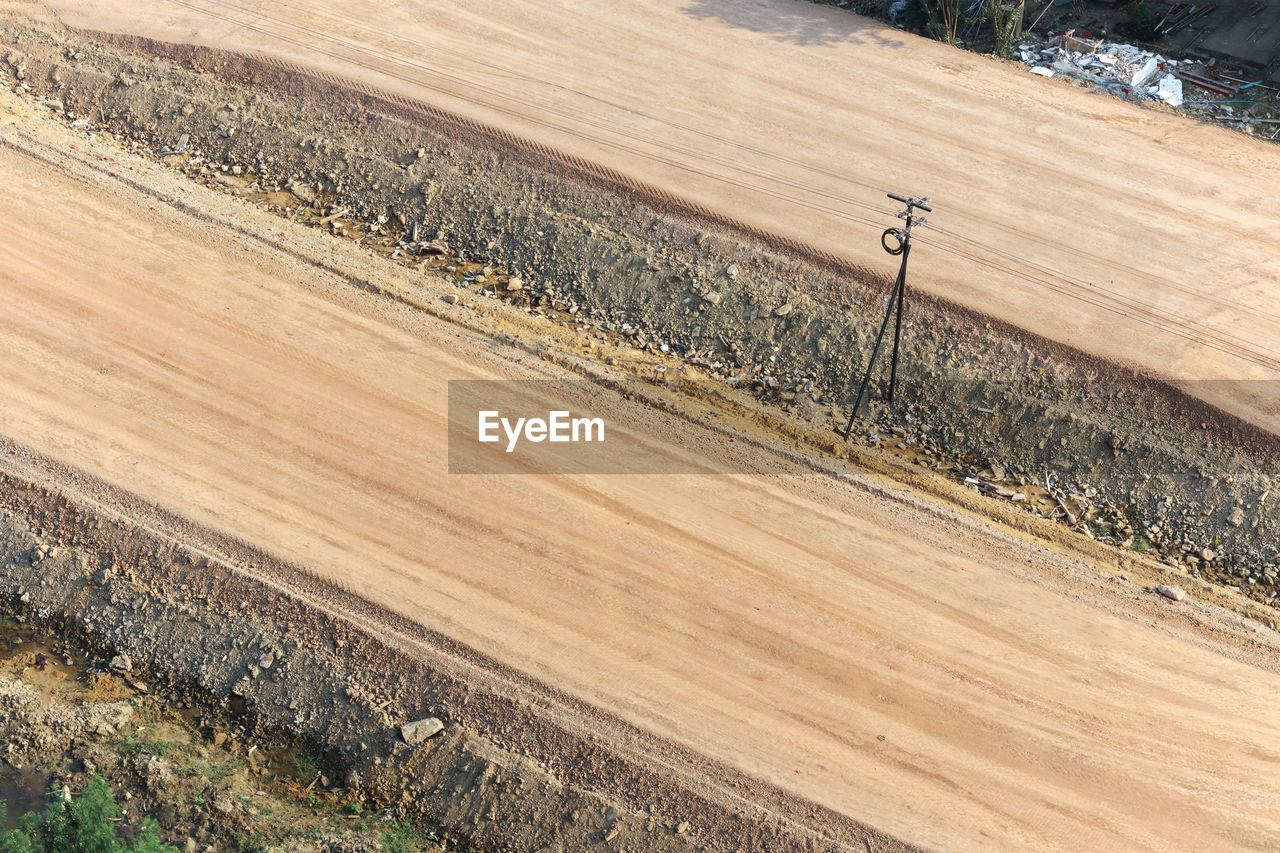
897 299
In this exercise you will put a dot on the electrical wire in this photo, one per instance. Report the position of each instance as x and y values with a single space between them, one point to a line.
560 119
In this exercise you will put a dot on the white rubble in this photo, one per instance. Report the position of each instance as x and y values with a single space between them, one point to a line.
1170 90
1110 64
1145 74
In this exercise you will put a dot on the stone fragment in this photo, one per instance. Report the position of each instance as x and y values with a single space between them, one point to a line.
1145 74
1170 90
419 730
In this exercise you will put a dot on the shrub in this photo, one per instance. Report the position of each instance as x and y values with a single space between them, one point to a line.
1003 20
944 18
87 824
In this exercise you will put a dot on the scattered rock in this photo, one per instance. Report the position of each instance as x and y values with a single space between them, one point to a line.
1171 592
121 663
515 283
1236 518
303 191
782 310
418 731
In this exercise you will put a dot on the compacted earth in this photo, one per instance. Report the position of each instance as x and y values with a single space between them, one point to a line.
1029 606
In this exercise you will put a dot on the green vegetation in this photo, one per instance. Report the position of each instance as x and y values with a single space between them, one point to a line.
405 838
944 18
86 824
1139 23
133 745
1004 21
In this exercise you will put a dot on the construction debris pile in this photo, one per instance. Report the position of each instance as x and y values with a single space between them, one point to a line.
1106 64
1132 72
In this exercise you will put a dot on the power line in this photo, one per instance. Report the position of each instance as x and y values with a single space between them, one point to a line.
977 252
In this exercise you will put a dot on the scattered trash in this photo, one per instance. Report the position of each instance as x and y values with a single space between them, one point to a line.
1079 45
1097 62
434 247
1218 87
1131 72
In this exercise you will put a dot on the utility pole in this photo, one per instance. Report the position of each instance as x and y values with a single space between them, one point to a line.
897 300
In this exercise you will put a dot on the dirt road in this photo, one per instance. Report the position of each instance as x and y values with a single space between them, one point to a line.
1129 233
886 658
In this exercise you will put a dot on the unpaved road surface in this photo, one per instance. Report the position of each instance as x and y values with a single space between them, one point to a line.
892 660
1132 234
